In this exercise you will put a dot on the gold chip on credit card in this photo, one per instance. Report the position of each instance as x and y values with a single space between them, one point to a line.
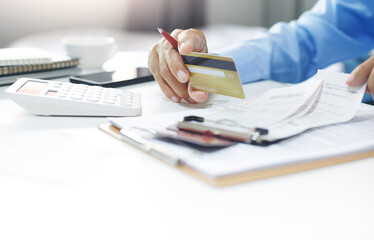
214 74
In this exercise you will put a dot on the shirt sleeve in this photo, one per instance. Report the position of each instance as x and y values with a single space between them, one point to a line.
334 30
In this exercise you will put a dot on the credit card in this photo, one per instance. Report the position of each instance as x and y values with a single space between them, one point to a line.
214 74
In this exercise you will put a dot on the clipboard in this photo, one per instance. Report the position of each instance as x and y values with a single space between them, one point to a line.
246 176
232 132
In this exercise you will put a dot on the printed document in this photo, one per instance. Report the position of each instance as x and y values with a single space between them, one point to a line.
325 100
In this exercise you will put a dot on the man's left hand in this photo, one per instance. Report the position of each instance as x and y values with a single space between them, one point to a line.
363 73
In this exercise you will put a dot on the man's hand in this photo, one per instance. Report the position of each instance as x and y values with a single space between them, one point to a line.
168 69
363 73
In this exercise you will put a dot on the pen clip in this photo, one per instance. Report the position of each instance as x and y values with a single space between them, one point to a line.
148 147
255 136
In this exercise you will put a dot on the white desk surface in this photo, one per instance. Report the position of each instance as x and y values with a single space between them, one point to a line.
62 178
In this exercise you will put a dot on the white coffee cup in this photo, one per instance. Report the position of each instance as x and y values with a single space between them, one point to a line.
92 51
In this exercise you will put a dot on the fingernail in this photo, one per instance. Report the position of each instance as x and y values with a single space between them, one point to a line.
182 76
350 78
175 99
199 96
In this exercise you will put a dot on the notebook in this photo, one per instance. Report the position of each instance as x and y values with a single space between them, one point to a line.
17 61
52 74
22 56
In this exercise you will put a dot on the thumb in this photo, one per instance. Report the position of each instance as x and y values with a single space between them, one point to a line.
198 96
361 74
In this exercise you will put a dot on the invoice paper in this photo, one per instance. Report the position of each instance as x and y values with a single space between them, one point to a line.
324 100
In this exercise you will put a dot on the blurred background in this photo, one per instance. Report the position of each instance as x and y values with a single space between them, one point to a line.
20 18
133 23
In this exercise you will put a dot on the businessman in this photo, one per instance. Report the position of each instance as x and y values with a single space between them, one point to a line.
332 31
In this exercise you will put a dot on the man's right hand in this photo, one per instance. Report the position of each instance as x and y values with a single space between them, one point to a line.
168 69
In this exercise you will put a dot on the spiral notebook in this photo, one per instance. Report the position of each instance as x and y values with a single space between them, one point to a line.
15 61
22 56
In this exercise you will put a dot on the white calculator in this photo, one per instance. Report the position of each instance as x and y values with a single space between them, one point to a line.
42 97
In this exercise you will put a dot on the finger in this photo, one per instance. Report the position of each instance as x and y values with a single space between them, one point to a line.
179 88
165 88
361 74
192 40
175 61
166 44
176 65
198 96
370 85
176 33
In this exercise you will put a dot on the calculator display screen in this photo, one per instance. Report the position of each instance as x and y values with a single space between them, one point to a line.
32 87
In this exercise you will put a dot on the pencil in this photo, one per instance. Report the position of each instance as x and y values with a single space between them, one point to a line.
169 38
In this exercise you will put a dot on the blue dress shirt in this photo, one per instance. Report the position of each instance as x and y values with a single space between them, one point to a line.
332 31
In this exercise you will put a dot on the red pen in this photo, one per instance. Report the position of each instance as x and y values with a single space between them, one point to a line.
169 38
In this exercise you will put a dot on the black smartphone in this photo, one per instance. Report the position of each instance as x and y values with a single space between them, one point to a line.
117 78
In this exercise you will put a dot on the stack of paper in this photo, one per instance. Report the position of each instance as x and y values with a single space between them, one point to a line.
322 101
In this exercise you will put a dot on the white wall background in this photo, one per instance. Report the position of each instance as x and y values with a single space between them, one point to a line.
256 12
22 17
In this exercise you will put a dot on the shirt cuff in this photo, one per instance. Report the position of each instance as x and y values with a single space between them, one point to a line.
251 59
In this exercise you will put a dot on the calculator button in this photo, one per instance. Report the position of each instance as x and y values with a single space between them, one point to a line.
96 88
93 99
113 91
79 89
63 91
81 86
67 85
110 101
110 96
125 103
78 92
76 97
93 95
95 91
60 95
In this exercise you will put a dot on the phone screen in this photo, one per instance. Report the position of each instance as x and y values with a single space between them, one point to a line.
121 77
